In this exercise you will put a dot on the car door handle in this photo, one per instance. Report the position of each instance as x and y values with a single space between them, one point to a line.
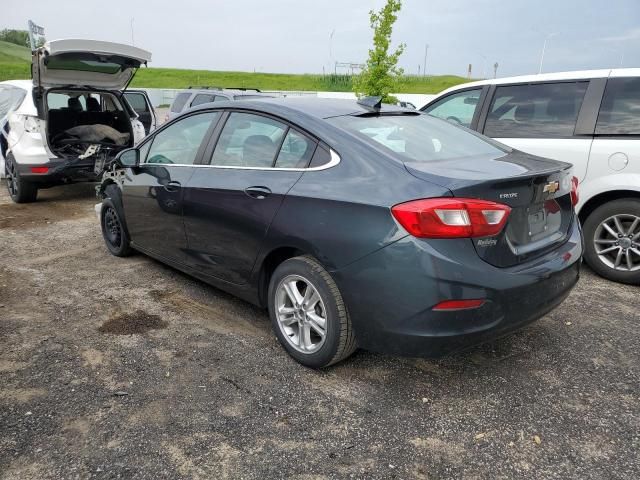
172 186
259 193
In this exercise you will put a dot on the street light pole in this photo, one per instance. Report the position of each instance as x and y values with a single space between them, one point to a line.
424 65
544 47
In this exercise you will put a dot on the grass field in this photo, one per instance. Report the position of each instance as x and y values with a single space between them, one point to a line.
15 64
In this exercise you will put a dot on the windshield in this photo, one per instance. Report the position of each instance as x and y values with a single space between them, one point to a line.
419 137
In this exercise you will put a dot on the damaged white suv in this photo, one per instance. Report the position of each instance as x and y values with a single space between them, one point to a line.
71 119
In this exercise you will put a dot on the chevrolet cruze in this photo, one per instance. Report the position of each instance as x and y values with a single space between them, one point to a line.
354 224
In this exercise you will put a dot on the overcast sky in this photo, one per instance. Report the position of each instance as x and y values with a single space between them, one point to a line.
294 35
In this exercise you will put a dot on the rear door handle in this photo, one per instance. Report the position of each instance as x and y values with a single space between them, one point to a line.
259 193
172 186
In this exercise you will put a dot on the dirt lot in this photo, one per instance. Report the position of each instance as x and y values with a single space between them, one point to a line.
125 368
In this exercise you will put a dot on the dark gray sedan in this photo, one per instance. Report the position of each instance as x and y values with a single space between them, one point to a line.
355 224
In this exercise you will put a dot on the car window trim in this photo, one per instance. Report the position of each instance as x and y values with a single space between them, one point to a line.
491 95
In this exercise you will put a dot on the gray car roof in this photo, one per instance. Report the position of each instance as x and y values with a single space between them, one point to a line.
316 107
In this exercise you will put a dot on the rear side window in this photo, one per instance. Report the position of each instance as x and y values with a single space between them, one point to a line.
545 110
10 98
137 102
180 101
178 144
457 108
202 98
248 140
620 108
296 151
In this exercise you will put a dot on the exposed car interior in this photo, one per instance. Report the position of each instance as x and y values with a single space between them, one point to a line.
78 120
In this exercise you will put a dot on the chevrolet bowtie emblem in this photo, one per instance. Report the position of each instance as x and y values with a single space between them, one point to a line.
551 187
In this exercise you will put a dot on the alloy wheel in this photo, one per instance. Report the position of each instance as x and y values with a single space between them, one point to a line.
617 242
301 314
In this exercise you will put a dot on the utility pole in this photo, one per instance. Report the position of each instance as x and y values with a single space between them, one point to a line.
495 70
424 65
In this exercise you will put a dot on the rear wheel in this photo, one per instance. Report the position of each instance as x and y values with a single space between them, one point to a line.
308 314
20 190
612 240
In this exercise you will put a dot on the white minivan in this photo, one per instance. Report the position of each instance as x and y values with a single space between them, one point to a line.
590 119
72 117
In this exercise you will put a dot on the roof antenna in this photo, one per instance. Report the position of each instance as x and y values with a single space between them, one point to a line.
371 102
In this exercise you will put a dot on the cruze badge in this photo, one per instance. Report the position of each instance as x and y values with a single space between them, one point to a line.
551 187
509 195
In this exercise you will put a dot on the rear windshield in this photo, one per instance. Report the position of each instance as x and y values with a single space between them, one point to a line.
180 101
419 137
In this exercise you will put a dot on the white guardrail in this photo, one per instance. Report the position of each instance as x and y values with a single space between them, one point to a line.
164 96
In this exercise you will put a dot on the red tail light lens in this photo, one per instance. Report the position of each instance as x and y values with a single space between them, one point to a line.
451 217
459 304
39 169
574 191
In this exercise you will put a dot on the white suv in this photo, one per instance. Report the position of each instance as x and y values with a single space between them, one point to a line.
590 119
71 119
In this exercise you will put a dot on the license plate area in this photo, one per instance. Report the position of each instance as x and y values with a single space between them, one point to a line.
537 220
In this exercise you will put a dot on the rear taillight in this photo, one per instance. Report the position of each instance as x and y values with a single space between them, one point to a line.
39 169
574 191
451 217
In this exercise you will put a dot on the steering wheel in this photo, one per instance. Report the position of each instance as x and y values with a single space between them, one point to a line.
453 119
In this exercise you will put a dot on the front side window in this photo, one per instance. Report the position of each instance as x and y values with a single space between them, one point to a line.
178 144
535 110
248 140
457 108
180 101
620 108
296 151
418 137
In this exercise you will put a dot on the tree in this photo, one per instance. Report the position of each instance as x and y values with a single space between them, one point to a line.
381 73
18 37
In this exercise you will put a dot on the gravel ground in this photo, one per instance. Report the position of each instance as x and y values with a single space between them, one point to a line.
125 368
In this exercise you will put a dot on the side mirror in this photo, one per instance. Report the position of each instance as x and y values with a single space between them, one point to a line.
128 158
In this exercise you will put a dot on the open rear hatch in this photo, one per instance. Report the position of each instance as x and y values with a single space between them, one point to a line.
537 190
86 63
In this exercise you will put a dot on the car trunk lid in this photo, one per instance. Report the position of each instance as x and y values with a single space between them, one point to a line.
537 190
87 63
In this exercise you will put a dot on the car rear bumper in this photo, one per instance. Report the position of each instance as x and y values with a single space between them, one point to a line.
60 171
391 293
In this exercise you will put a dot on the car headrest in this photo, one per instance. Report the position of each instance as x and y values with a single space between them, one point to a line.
524 112
93 105
74 104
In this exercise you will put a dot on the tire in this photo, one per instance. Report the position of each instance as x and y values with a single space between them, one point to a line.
339 337
114 230
20 190
626 211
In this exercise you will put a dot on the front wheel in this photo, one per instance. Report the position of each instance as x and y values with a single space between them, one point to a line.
308 314
115 235
612 240
20 190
